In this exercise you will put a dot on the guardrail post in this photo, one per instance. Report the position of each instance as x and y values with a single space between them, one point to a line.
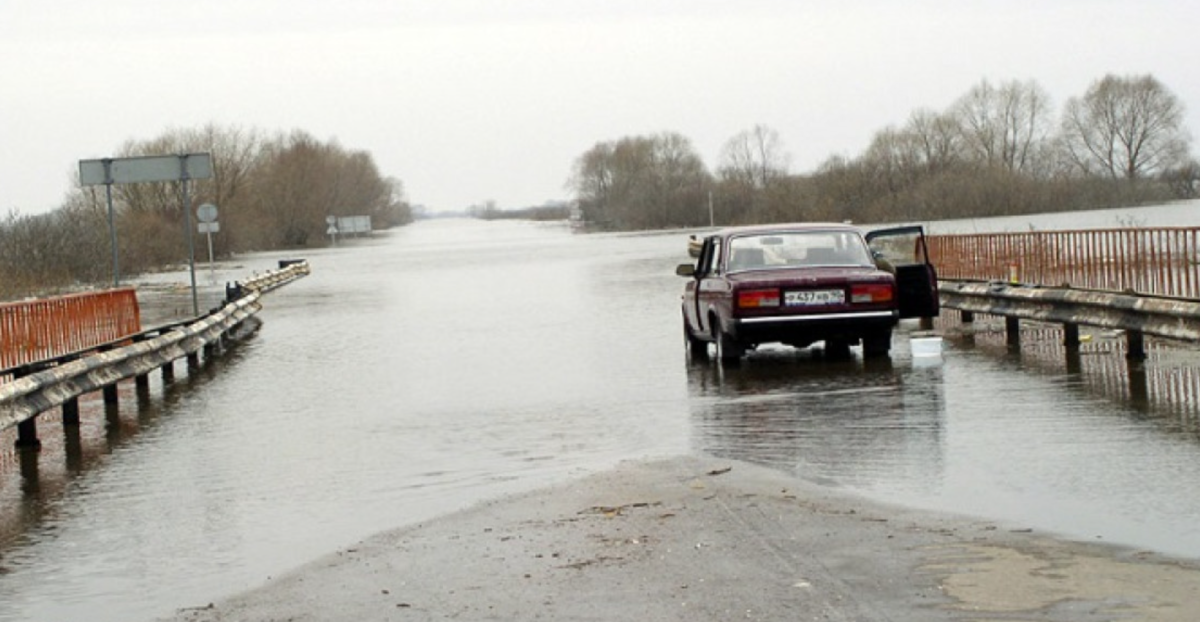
110 395
1135 345
1071 336
27 434
1012 329
1071 345
30 473
168 372
193 360
1139 390
73 446
141 381
112 416
27 437
70 412
1074 362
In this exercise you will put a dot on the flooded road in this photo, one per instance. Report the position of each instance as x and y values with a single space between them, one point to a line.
426 369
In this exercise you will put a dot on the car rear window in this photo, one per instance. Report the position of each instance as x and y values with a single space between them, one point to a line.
797 249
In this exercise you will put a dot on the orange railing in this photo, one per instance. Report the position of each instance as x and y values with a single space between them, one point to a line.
1160 261
41 329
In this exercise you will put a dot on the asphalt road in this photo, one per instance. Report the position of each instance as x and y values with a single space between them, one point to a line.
696 538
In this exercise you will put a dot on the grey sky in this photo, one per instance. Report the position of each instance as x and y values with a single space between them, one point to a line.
470 100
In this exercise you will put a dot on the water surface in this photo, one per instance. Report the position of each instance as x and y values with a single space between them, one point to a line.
423 370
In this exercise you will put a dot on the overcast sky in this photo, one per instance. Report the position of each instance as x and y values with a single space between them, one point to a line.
471 100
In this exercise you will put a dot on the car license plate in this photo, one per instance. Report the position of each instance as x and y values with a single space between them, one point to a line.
814 297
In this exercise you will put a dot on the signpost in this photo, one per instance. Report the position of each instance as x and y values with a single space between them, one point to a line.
207 215
332 231
142 169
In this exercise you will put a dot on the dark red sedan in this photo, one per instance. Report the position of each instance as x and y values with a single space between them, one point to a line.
799 284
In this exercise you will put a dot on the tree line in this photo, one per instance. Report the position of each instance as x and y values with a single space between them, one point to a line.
272 192
999 149
996 150
489 210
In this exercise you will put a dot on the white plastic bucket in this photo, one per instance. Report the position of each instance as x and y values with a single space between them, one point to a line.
926 346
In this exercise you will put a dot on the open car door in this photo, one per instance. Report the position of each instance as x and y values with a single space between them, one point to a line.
902 250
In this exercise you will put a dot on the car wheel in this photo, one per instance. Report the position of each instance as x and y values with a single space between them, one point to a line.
877 345
837 349
728 350
697 347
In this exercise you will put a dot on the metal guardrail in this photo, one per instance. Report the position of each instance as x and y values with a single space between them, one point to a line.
1164 317
28 396
40 386
289 270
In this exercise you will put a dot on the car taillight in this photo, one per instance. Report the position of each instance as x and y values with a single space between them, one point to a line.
872 292
757 298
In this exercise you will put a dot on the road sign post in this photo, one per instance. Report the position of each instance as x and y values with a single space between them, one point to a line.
142 169
207 215
112 224
332 231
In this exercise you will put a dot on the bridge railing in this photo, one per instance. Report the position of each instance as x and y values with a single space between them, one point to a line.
1155 261
38 329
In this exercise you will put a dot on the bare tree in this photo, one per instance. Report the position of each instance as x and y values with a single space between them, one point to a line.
754 158
752 169
1184 179
1125 128
639 182
294 186
1006 125
592 181
937 137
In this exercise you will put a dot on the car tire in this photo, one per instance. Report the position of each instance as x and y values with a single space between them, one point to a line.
877 345
728 350
698 348
837 349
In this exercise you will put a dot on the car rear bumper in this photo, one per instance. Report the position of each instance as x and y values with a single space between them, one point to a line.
805 329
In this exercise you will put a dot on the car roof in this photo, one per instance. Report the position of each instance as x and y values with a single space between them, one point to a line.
778 228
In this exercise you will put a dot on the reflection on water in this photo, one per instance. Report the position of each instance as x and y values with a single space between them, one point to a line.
987 432
853 423
1165 386
70 451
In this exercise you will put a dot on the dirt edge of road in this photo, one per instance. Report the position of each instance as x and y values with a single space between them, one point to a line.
700 538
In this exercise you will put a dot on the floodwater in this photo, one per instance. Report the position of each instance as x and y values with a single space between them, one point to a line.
426 369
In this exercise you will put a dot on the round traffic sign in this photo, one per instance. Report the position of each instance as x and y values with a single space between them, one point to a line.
207 212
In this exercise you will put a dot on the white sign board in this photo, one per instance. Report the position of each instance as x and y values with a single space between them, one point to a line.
209 227
145 169
354 224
